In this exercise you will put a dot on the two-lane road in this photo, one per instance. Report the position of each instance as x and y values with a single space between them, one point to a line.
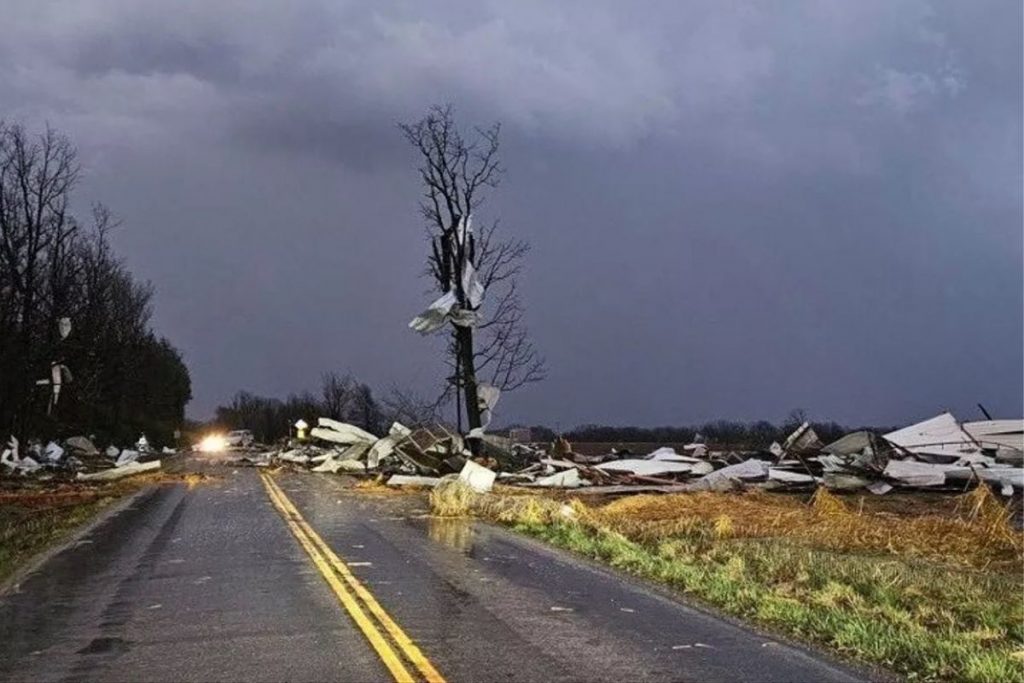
298 578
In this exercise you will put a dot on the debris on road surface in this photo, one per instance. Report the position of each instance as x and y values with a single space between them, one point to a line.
120 472
413 480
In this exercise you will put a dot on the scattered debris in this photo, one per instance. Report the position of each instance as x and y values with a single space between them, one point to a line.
937 454
79 445
413 480
479 478
341 433
77 457
566 479
120 472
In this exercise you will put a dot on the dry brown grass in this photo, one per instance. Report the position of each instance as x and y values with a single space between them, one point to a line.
981 535
453 498
377 486
29 493
894 587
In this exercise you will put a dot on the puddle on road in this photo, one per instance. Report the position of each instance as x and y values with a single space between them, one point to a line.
453 532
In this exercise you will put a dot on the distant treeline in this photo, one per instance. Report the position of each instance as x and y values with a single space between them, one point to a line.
342 397
729 433
70 310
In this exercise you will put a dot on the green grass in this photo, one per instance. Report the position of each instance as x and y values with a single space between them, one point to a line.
27 530
924 620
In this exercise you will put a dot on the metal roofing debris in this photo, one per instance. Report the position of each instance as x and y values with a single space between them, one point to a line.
82 445
76 455
120 472
648 468
334 465
802 440
54 452
938 453
413 480
341 432
126 457
733 476
940 437
999 432
566 479
788 476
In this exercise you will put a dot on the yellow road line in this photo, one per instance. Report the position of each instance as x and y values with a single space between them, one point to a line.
380 644
404 643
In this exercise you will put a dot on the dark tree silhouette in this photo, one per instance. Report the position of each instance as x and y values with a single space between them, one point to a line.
124 380
494 347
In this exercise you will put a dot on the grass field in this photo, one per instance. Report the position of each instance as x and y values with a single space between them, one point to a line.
934 596
30 523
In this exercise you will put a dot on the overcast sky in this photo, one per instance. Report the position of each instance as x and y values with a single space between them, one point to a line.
735 209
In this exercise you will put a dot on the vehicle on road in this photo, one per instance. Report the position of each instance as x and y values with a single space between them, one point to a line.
240 438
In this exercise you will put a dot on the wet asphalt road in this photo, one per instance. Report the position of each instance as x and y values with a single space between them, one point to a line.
208 583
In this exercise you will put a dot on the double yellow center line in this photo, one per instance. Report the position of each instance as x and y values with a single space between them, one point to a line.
390 642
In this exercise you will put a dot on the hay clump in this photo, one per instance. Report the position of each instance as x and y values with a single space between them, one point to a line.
453 498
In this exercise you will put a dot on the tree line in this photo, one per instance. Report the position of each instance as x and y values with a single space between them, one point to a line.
727 433
342 397
77 355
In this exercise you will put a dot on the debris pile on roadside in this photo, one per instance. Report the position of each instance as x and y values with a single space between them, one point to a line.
78 458
937 454
338 447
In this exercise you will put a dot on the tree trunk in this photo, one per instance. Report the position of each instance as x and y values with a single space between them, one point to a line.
465 339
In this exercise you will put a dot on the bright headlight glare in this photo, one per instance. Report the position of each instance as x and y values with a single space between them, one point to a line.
213 443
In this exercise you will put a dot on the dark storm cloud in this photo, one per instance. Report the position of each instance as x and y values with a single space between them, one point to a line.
734 209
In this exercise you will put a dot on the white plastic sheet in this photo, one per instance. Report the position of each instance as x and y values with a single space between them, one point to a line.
436 314
486 397
472 287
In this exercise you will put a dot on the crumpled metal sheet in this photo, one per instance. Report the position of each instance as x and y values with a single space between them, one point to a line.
730 477
340 432
645 468
120 472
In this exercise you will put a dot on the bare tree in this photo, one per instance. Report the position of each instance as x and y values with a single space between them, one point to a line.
52 267
337 395
410 409
455 173
37 236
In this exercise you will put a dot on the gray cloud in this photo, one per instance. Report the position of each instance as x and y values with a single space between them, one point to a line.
735 209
